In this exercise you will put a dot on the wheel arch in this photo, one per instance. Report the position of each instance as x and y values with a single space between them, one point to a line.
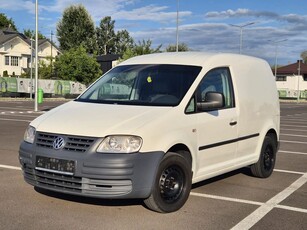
183 150
273 133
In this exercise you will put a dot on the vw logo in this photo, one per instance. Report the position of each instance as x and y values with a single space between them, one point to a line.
58 143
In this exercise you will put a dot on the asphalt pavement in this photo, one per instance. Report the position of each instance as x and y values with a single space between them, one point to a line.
231 201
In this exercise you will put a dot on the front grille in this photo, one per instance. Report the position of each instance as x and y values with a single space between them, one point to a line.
72 143
53 180
76 185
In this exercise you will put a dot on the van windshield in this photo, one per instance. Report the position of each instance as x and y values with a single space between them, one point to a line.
162 85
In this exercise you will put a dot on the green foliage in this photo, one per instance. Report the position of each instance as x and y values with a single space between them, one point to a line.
76 28
25 74
45 70
143 47
31 34
106 36
182 47
110 42
123 42
304 56
6 22
5 73
77 65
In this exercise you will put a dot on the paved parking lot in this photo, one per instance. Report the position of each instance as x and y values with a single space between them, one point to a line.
235 200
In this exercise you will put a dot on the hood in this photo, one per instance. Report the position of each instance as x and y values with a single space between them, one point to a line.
97 120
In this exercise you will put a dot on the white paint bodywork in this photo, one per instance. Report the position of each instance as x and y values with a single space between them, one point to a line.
163 127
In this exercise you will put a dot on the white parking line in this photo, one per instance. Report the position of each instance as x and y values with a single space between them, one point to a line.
287 171
19 115
21 112
10 167
294 122
292 119
4 119
265 208
297 130
281 151
225 198
292 208
296 142
292 135
294 125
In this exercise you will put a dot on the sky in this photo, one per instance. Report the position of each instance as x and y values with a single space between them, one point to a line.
279 27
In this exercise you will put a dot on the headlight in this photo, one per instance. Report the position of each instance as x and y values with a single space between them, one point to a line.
120 144
29 135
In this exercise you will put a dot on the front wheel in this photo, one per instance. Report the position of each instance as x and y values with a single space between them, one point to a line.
266 163
172 185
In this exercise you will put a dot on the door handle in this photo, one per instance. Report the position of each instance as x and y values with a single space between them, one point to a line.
232 123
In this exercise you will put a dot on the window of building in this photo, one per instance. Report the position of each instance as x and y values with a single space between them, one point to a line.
281 78
7 60
305 77
14 61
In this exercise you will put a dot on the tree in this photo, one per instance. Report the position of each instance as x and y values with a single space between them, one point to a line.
45 70
110 42
31 34
182 47
123 42
304 56
6 22
76 28
77 65
106 36
143 47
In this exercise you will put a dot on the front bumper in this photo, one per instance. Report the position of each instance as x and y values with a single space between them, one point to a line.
96 174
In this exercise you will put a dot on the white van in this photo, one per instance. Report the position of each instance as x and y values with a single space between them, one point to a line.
154 125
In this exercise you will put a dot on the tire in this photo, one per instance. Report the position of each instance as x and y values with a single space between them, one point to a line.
266 163
172 184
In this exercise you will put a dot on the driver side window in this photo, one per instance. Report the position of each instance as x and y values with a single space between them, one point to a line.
216 80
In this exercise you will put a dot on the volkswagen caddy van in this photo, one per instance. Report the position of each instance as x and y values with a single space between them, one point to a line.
154 125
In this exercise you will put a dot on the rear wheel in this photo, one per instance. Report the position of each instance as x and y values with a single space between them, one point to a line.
172 184
266 163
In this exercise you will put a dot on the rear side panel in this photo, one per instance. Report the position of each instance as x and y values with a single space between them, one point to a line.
258 106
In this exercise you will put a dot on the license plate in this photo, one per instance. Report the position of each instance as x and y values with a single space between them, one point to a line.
55 165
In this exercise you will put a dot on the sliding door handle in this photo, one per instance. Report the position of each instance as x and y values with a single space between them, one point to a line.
232 123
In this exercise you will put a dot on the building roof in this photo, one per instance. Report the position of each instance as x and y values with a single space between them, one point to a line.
293 68
8 34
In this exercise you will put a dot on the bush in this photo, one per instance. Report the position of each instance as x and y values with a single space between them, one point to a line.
5 73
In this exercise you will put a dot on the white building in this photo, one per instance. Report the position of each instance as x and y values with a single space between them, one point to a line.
15 52
291 80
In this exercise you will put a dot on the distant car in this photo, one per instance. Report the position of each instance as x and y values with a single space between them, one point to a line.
154 125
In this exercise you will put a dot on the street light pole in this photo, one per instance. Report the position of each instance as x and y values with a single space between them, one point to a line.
241 32
298 80
31 77
36 57
177 25
276 49
51 34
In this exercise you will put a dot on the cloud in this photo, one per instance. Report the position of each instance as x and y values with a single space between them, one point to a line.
116 8
150 13
17 5
289 18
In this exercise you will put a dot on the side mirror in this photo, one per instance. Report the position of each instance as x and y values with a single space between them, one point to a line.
213 100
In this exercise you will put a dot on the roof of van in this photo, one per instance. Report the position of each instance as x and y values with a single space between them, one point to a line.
184 58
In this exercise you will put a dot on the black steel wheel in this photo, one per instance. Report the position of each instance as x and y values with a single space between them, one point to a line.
172 184
266 163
